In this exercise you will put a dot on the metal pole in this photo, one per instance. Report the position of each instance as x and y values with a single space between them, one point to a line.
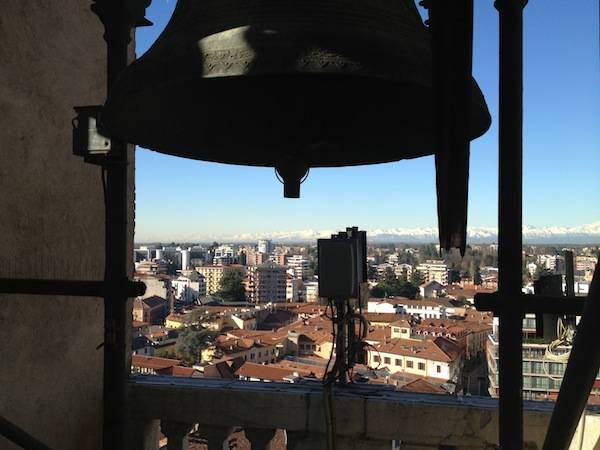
569 274
118 25
580 374
510 221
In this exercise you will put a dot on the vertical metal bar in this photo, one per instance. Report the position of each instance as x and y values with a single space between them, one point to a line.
118 25
341 354
510 221
569 274
580 375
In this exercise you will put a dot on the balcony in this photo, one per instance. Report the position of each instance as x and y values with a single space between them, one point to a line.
365 417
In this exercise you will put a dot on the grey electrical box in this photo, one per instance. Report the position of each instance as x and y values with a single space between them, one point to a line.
343 264
338 268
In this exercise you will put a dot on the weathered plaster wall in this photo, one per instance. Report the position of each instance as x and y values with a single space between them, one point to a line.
52 57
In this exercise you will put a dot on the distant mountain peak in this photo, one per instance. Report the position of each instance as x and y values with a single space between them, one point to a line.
582 234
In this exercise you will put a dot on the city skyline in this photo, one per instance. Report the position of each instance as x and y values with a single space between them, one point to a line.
177 197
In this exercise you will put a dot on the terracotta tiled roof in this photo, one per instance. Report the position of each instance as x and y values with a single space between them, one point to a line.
457 291
439 349
303 369
383 317
379 334
264 372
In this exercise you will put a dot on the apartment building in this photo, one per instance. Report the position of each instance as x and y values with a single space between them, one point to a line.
265 246
403 269
298 266
311 290
585 263
254 258
189 288
434 270
267 283
213 275
542 373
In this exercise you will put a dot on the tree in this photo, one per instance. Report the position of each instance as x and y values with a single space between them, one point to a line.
190 343
417 278
453 276
391 285
231 288
477 280
377 292
372 273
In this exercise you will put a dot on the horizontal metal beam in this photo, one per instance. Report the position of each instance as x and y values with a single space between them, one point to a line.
528 303
19 436
75 288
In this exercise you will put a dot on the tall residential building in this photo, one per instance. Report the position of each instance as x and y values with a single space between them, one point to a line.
254 258
185 259
223 255
213 275
542 373
298 265
278 258
434 270
265 246
267 283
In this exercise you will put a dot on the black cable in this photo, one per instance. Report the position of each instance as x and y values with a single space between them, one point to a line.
103 177
326 375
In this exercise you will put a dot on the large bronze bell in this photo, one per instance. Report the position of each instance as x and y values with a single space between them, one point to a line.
321 83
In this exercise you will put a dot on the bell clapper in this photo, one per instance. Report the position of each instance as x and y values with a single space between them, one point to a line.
291 173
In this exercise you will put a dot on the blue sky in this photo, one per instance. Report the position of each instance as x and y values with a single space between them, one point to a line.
177 197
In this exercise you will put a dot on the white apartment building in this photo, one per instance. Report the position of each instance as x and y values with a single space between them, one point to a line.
185 259
265 246
434 270
223 255
392 259
189 288
298 266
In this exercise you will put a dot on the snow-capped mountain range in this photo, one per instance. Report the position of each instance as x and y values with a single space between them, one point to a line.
582 234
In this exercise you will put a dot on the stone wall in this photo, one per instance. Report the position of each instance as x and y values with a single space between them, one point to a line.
51 221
